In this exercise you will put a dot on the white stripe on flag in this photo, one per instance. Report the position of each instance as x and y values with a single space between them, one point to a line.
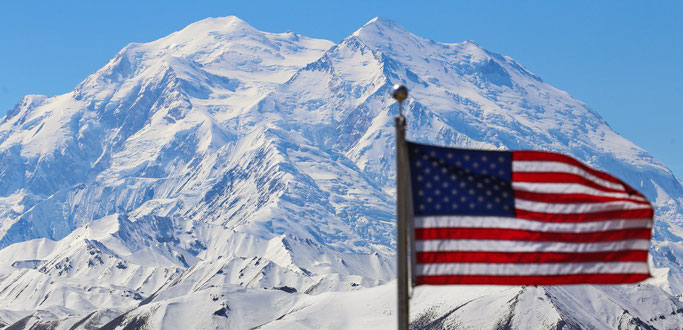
568 188
557 167
577 208
514 223
527 246
533 269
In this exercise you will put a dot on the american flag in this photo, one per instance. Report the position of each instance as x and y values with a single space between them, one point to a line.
523 218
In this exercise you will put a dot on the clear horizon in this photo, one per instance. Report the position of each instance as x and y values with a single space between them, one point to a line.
620 60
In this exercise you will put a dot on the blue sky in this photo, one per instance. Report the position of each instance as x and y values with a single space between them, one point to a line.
625 59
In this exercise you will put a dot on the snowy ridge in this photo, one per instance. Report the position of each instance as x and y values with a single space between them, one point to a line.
224 177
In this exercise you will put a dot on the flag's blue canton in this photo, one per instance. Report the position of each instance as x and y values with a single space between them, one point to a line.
448 181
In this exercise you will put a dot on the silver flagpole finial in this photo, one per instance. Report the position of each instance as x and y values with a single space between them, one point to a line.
399 93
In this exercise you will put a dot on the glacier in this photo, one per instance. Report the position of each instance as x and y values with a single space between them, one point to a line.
225 177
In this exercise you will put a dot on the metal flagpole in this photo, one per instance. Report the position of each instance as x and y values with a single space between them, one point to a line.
400 94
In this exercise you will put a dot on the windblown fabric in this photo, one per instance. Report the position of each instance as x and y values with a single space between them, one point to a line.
523 218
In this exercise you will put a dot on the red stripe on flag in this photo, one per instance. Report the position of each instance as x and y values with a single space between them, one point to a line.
555 157
572 198
558 177
532 279
581 217
528 257
528 235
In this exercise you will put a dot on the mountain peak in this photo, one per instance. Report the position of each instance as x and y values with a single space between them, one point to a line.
228 23
387 36
384 34
214 26
382 21
380 27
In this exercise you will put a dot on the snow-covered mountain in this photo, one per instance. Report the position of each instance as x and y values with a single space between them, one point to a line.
224 177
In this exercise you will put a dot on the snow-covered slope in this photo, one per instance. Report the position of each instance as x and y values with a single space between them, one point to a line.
224 177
